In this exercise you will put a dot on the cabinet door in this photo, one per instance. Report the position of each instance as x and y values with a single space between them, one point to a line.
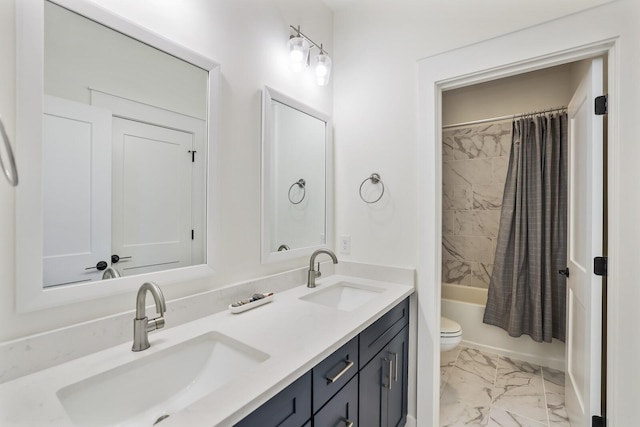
342 409
373 392
397 391
383 385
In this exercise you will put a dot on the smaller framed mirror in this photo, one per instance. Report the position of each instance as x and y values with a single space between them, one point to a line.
297 184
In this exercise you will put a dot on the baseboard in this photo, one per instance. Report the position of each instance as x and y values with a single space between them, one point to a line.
531 358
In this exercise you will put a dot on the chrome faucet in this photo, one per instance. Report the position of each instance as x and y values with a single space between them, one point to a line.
110 273
141 324
311 282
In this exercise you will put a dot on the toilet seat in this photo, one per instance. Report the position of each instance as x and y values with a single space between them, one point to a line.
449 328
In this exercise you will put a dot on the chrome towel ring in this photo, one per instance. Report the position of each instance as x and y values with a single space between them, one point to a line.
302 184
375 179
10 172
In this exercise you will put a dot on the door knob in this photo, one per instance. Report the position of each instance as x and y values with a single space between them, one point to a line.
115 258
101 265
564 272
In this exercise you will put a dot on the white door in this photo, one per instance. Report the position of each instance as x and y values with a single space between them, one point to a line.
584 293
76 184
152 186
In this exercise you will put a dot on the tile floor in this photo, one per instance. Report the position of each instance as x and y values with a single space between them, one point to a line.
483 389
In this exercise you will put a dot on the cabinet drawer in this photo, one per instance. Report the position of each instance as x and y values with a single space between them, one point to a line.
334 372
342 409
289 408
376 336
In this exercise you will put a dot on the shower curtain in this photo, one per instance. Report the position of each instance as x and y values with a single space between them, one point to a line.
526 293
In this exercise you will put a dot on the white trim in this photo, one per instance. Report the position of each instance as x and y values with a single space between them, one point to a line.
30 295
448 71
267 256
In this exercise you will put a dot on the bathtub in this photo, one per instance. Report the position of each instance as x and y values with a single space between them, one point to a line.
465 305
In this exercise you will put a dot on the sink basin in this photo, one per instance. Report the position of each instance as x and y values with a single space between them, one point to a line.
145 390
343 295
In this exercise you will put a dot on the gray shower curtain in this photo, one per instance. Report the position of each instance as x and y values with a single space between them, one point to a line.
526 293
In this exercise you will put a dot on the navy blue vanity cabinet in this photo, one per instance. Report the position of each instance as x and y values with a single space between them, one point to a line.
363 383
289 408
342 409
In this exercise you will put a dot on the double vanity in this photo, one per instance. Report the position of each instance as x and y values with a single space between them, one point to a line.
224 369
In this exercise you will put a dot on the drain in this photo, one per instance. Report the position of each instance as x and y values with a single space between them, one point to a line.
162 418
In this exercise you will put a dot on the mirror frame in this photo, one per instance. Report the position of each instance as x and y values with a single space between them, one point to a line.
30 293
267 256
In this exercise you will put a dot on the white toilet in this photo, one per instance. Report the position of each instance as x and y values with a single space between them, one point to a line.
450 334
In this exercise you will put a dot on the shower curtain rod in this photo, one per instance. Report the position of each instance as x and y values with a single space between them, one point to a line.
502 118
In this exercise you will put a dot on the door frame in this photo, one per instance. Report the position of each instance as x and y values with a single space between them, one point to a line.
452 70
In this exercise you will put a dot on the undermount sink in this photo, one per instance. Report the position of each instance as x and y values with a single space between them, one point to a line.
148 389
343 295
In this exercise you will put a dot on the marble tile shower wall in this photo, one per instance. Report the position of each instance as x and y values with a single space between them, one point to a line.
475 161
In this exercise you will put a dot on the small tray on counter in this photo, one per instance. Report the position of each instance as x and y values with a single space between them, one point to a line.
250 305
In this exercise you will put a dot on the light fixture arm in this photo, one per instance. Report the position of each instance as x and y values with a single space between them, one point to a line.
314 44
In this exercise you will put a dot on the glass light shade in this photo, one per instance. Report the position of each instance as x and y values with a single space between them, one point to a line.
322 69
298 54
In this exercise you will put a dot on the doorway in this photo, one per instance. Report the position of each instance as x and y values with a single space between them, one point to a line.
492 376
436 75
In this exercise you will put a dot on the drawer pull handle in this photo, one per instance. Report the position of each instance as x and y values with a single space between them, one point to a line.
395 371
389 363
349 423
341 373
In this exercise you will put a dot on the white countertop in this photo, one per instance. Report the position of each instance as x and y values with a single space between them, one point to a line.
296 334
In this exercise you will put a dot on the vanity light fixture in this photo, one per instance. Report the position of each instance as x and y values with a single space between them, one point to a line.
299 48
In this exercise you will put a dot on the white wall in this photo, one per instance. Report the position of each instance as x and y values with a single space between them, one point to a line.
248 38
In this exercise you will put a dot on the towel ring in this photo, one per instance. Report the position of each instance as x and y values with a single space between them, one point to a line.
375 178
10 172
302 184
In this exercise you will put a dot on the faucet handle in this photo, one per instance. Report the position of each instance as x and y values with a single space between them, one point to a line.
318 272
153 324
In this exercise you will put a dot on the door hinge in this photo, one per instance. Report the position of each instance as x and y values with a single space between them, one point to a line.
193 155
600 266
192 234
597 421
601 105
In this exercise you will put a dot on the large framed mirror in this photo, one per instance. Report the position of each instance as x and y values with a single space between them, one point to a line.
115 134
297 185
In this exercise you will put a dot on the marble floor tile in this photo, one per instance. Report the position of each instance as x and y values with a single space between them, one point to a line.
499 417
482 389
516 372
554 391
447 362
448 358
461 414
475 366
520 390
474 393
